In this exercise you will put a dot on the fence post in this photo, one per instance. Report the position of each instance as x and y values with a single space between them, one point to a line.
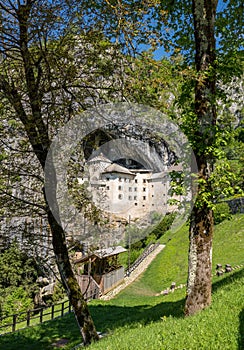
28 318
52 312
41 315
14 323
62 309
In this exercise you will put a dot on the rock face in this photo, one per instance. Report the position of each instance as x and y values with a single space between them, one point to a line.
46 289
33 236
236 205
151 147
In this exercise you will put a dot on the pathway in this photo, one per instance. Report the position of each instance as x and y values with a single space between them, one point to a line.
136 273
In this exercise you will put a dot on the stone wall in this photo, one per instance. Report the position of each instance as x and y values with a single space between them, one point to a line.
236 205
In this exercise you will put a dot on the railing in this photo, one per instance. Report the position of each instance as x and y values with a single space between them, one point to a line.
33 317
148 250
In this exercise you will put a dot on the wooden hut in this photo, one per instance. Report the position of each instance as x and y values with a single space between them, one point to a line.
99 271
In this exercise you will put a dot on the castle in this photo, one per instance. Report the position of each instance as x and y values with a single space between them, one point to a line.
126 189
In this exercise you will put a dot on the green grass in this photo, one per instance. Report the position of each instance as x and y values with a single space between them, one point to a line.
137 319
42 337
218 327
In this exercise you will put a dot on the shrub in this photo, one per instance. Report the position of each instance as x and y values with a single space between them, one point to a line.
14 301
58 293
164 225
221 212
18 274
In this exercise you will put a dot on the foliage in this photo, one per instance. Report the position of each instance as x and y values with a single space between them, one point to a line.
15 300
16 268
83 202
18 274
47 76
138 245
221 212
229 28
164 225
152 83
58 294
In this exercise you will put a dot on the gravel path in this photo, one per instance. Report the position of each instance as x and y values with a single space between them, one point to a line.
137 272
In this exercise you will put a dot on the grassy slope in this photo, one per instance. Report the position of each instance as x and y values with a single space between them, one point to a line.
139 320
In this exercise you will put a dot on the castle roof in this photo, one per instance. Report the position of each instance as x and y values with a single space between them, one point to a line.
115 168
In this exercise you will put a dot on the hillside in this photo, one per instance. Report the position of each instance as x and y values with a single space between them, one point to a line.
137 319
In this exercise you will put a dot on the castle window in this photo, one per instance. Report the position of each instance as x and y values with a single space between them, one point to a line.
120 196
144 198
120 188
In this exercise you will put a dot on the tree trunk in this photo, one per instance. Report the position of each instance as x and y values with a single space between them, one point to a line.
199 283
200 261
70 283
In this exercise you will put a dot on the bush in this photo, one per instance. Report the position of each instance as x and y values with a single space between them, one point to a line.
221 212
18 274
164 225
14 301
58 293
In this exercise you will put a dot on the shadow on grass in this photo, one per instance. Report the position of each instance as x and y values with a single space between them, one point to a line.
241 331
43 336
108 317
227 279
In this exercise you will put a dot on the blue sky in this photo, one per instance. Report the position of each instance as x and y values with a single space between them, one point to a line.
160 52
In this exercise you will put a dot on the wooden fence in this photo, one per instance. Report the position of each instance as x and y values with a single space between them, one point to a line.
89 287
33 317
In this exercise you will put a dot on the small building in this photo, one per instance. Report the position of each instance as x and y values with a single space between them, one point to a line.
99 272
